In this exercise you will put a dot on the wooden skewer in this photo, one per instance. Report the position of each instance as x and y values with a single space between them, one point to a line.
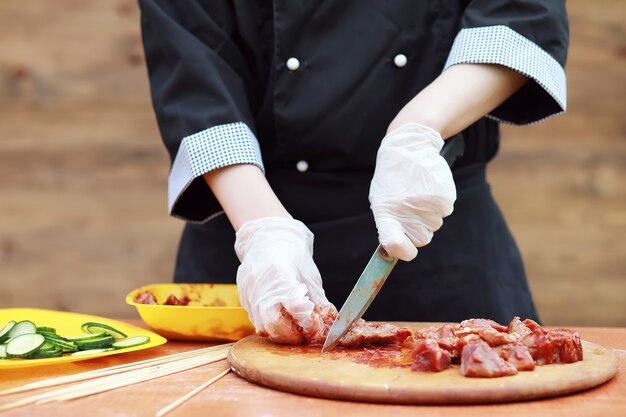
121 379
112 370
163 411
112 382
118 381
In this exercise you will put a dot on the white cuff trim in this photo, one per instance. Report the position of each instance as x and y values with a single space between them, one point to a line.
504 46
213 148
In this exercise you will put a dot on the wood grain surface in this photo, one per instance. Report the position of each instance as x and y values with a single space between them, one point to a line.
234 396
352 374
83 214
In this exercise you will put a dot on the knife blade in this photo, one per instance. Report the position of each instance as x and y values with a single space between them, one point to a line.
376 271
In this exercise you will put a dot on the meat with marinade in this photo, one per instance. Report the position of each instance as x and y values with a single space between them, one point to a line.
566 346
361 333
517 355
428 356
491 332
488 349
478 359
444 336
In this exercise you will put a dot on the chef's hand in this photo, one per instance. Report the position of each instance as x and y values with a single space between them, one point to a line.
279 285
412 189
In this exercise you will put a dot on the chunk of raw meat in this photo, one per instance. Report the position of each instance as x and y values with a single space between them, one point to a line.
172 300
539 346
145 297
478 359
517 355
488 349
517 328
428 356
471 324
428 333
361 333
533 326
364 333
445 337
566 346
491 332
466 340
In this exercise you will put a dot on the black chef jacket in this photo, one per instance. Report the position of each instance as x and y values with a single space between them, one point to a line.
305 90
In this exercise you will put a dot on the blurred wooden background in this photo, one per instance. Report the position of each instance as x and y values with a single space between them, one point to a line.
83 174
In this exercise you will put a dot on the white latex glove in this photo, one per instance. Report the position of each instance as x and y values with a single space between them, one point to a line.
412 189
279 284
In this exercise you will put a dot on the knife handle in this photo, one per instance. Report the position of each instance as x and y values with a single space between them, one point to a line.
453 148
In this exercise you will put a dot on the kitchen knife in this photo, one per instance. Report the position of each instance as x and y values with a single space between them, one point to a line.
377 270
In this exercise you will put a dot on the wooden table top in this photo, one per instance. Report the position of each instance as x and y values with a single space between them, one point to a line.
233 396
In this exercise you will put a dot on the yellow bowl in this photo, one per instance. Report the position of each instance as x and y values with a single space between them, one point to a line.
213 313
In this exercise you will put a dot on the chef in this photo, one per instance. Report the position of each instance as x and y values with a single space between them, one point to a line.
303 133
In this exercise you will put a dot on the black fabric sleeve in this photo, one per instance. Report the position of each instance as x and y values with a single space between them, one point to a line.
528 36
202 95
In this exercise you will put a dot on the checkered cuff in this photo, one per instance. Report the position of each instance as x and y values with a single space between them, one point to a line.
217 147
502 45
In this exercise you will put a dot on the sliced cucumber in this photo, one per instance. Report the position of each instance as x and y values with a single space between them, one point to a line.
131 342
23 345
89 352
89 336
44 329
64 345
25 340
55 337
44 354
23 327
48 346
4 333
99 343
49 349
92 327
60 342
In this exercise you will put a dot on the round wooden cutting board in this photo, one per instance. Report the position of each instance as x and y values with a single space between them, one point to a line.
360 375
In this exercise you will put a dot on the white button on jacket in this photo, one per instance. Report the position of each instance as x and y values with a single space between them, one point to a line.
302 166
293 64
400 60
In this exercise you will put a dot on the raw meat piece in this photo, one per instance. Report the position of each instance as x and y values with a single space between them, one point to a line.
533 325
145 297
363 333
427 333
445 337
478 359
517 355
539 346
566 346
491 332
554 346
488 349
470 324
466 340
428 356
518 328
172 300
